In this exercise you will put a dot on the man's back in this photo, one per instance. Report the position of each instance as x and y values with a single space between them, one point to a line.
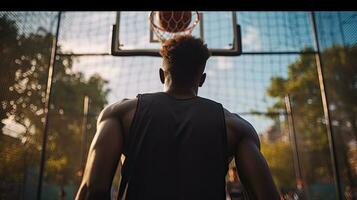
181 146
185 143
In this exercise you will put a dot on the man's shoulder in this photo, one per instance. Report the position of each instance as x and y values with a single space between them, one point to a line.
236 120
118 109
240 126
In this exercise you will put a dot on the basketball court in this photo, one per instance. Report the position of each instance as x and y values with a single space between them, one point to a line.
268 67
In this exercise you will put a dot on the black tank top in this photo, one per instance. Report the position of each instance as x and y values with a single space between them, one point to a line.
180 149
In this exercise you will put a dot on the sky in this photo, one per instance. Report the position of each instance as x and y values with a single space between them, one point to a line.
239 83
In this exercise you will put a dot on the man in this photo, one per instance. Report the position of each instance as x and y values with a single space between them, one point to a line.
177 144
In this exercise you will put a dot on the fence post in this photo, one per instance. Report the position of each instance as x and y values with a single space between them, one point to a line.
327 119
47 106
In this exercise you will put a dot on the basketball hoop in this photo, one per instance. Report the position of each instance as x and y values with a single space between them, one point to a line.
163 34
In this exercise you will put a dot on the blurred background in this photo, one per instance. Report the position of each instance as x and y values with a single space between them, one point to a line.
274 84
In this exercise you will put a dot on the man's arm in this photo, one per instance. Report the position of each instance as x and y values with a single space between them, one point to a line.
103 157
251 165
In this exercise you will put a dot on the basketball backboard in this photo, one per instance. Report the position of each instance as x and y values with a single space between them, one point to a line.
132 35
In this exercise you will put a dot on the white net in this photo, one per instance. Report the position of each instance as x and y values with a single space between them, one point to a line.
167 24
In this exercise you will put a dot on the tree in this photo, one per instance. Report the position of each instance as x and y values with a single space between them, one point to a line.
277 150
302 86
279 157
24 69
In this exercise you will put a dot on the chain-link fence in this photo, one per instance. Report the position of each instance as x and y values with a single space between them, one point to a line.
278 60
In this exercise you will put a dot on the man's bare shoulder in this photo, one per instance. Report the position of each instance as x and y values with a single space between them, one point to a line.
118 109
240 128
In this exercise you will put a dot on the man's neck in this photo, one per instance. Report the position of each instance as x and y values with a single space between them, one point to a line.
181 93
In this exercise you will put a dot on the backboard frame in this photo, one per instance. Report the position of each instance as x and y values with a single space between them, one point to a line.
236 49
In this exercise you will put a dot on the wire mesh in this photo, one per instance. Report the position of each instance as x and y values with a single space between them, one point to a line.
25 49
275 31
272 46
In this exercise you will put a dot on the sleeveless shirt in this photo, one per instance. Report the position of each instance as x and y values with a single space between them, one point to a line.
177 149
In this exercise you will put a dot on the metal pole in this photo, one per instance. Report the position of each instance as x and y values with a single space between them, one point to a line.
330 136
292 134
84 132
47 106
300 178
24 181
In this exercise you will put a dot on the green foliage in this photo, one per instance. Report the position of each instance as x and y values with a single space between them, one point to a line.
279 157
24 67
303 87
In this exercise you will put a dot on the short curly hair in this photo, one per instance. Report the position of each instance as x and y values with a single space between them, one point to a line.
185 58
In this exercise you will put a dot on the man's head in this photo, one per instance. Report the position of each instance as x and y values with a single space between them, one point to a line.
184 61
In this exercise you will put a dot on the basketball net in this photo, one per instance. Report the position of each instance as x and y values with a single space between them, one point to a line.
164 35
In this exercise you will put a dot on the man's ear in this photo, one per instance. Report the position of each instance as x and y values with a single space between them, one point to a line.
203 78
162 75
